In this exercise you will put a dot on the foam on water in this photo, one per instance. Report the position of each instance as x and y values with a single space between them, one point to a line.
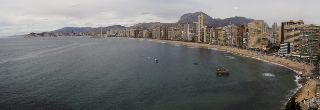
269 74
213 48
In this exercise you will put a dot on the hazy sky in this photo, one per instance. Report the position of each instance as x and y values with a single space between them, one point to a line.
26 16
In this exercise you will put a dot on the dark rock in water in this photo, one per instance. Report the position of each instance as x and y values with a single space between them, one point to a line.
196 63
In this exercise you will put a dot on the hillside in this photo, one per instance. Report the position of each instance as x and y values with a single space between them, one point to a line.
86 29
208 20
69 29
152 25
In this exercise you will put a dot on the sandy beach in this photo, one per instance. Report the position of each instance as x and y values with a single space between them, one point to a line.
303 68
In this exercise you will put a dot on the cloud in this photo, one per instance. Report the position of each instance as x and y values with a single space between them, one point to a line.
35 15
144 13
88 23
236 8
75 5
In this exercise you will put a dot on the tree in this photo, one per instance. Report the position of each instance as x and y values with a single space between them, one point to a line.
274 48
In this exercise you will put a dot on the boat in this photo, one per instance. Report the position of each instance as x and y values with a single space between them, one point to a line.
222 71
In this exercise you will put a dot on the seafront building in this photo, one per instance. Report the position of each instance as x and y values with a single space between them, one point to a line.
290 33
241 31
231 34
220 35
186 32
309 43
136 33
207 34
157 33
257 38
212 38
165 33
199 27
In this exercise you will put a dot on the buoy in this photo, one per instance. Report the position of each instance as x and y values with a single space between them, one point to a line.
148 57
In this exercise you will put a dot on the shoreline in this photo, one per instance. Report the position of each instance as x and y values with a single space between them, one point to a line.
301 92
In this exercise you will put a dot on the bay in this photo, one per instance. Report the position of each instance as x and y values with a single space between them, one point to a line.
115 73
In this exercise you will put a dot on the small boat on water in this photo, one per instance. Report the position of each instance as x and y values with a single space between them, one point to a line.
221 71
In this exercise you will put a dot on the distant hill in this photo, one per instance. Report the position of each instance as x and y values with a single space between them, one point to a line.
152 25
69 29
86 29
193 17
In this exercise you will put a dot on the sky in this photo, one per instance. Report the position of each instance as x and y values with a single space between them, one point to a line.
19 17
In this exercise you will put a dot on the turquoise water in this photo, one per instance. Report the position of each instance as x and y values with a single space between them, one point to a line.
116 73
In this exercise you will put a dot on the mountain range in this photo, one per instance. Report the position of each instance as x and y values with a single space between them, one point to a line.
208 20
186 18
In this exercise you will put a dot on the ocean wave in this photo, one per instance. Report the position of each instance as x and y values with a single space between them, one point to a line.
213 48
269 74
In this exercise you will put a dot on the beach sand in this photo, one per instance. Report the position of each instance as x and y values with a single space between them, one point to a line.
301 94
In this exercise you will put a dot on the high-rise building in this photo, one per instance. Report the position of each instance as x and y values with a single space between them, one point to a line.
165 32
158 33
289 30
206 34
186 32
274 27
309 43
290 33
231 34
144 33
136 33
258 37
241 31
220 36
131 33
153 33
200 26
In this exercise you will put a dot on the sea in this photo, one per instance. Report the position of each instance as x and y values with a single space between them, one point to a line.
82 73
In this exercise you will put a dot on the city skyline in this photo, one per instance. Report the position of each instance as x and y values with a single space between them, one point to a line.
23 17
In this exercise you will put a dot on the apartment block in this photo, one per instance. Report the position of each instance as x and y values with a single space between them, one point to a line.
309 43
257 35
231 34
165 32
290 33
241 31
199 27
